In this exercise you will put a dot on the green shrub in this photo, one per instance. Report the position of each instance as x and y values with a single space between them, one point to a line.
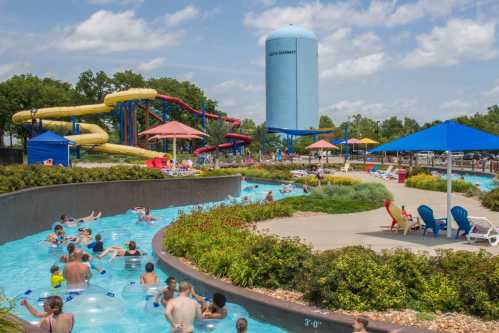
434 183
335 199
14 178
491 200
222 241
328 179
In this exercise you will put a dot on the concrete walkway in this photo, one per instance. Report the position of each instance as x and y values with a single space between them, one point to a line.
371 228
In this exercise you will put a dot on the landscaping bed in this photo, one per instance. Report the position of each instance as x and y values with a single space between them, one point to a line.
222 242
433 183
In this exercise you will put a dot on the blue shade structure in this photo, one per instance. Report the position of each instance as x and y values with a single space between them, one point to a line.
48 146
448 136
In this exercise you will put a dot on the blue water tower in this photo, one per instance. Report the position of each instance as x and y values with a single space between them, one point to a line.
291 78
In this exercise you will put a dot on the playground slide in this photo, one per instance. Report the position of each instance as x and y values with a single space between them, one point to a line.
93 136
244 139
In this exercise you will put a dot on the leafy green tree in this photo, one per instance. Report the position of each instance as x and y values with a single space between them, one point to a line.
217 129
127 79
92 88
326 122
391 128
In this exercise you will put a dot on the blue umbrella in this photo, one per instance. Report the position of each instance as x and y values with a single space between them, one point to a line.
448 136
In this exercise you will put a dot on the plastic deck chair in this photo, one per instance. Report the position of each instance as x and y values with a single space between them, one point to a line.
460 215
398 218
430 222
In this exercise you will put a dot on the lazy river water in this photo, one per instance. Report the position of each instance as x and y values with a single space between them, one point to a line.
113 303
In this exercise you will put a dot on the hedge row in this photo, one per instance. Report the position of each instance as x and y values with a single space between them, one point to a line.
221 241
491 200
434 183
13 178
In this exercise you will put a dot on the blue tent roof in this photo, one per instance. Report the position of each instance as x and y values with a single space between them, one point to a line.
50 137
338 142
447 136
297 132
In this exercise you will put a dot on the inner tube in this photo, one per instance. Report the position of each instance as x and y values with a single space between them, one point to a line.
130 264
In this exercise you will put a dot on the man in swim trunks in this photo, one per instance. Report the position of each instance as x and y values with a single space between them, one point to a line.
146 216
169 292
118 251
76 273
214 310
182 311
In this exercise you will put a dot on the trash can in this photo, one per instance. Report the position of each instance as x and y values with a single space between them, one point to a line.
402 175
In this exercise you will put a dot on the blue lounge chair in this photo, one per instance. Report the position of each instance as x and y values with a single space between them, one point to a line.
430 222
460 215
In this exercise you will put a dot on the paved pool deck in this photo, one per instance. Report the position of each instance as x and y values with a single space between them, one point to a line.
371 228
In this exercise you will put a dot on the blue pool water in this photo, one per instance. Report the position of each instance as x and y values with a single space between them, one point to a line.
486 183
26 262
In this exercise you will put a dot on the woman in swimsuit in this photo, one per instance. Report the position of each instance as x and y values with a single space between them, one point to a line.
57 321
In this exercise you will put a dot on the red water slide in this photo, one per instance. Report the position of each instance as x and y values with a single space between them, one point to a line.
234 122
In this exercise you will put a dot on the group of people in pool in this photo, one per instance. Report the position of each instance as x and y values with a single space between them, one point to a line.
183 306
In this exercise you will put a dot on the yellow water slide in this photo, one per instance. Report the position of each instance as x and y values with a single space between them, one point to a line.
93 136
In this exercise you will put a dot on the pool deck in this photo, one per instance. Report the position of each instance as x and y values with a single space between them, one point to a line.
371 228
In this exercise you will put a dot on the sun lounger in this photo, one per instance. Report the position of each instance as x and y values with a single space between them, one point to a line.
483 229
399 220
298 173
382 174
430 222
345 167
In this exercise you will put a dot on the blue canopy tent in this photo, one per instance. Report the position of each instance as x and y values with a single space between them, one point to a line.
448 136
48 146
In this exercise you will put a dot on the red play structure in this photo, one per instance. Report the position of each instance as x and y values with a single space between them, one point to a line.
234 122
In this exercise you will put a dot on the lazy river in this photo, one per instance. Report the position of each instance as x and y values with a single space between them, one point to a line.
114 302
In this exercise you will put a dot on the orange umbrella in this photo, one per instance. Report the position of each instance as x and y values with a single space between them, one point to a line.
321 145
173 129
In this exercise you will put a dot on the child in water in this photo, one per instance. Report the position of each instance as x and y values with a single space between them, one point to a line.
85 258
56 278
149 277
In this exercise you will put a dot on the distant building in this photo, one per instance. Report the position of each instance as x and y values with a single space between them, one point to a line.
291 77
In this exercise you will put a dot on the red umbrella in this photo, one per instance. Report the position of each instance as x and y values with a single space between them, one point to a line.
173 129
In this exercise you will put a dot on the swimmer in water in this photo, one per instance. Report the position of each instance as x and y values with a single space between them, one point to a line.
71 221
167 293
149 277
146 217
56 278
139 210
118 251
242 325
213 310
53 238
246 200
250 188
182 311
269 197
87 260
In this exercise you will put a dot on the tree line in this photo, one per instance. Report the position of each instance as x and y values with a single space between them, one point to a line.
25 92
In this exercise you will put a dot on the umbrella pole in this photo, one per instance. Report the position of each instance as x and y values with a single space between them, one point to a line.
449 194
174 153
320 159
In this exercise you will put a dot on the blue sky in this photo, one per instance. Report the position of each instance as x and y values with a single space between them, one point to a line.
427 59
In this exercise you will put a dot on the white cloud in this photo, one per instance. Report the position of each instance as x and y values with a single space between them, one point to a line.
232 85
185 14
344 55
151 64
121 2
494 92
453 43
105 31
362 66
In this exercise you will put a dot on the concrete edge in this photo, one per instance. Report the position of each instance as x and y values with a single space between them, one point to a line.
292 316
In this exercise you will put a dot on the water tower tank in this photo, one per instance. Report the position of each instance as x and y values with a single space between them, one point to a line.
291 77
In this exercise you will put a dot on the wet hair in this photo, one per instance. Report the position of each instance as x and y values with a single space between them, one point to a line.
132 245
184 286
170 279
98 237
147 210
241 325
89 231
149 267
55 304
85 257
219 300
63 217
53 269
71 248
362 320
58 227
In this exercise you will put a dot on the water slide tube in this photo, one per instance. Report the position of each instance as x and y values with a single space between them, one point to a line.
93 136
243 139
